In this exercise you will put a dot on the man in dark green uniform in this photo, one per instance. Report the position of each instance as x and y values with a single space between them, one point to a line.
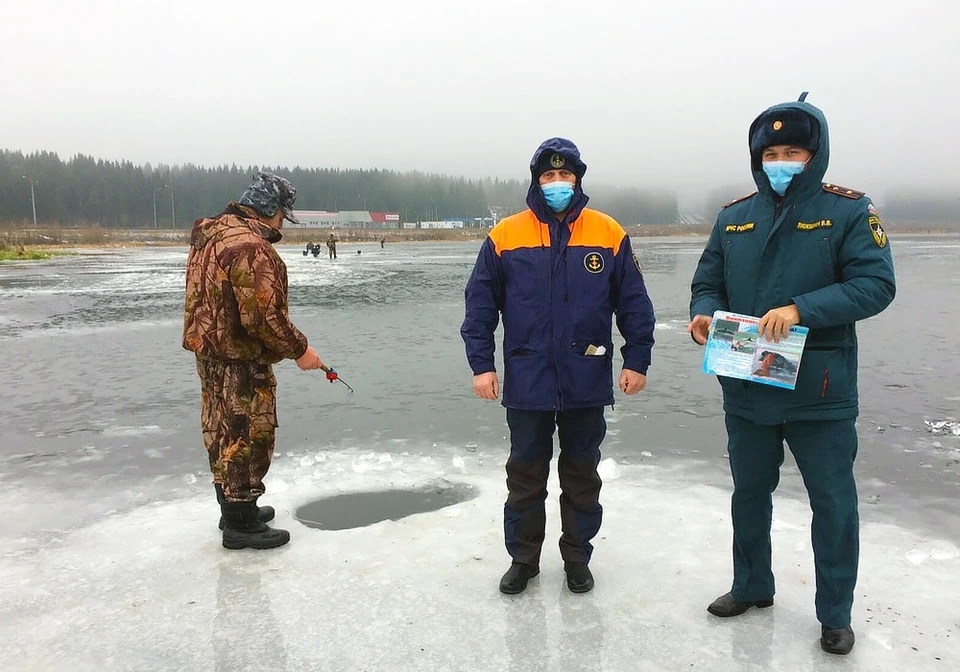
797 251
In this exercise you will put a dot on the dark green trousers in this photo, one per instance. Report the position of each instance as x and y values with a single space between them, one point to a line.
825 452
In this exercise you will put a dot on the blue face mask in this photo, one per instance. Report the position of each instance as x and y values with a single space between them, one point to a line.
780 173
557 195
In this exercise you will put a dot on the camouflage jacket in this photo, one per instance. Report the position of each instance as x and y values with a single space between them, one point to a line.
235 307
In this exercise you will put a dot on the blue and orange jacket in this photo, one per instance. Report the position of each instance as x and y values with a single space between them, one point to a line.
557 286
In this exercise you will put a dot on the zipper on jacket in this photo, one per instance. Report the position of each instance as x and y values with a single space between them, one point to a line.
826 382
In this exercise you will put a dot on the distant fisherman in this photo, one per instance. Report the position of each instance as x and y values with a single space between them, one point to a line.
557 273
235 319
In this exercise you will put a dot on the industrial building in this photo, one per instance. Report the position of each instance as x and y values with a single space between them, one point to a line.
347 219
364 219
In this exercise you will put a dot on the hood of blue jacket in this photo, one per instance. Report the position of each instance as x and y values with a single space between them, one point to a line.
535 200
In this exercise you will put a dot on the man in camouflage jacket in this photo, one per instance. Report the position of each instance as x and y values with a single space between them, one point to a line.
236 321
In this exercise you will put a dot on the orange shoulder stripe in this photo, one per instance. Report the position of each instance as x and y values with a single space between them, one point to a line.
519 231
595 229
524 230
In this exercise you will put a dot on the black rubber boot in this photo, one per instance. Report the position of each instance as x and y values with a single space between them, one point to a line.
838 641
264 513
727 605
579 578
243 530
515 580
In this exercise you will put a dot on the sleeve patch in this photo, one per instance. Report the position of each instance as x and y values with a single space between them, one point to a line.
876 228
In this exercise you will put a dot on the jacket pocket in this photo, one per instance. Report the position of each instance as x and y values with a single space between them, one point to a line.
527 380
590 377
825 254
728 266
827 375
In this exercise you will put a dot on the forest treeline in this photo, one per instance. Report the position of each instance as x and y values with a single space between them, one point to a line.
120 194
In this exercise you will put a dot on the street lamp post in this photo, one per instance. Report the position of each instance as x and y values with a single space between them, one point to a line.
33 199
155 191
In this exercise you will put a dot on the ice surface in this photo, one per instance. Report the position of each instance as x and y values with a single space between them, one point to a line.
934 550
151 588
132 431
608 469
943 427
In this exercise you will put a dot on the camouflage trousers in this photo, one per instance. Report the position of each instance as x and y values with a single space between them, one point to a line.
238 415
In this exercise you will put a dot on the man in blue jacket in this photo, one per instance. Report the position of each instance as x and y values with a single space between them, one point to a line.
797 251
556 273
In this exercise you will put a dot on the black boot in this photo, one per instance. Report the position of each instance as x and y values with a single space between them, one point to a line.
243 530
264 513
727 605
515 580
837 640
579 578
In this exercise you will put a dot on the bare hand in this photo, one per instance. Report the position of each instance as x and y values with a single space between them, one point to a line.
777 323
309 360
486 386
699 328
632 382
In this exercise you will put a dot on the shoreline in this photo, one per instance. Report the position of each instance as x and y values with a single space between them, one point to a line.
57 238
43 243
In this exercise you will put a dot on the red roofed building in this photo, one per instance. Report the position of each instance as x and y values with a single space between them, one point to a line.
385 220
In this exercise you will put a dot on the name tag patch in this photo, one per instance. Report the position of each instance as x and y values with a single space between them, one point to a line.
813 226
740 228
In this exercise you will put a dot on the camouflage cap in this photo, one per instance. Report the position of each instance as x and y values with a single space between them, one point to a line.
268 193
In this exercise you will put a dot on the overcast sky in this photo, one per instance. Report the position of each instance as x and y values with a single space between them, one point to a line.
656 94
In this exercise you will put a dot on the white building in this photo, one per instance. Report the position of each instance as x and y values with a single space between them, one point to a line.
314 219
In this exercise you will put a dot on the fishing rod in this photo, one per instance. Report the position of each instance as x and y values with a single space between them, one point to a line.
333 376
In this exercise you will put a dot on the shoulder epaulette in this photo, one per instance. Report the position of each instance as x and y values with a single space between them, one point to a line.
843 191
737 200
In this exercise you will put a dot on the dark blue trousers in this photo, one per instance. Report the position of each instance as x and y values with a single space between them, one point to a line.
825 452
581 431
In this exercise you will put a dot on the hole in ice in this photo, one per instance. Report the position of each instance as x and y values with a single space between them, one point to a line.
359 509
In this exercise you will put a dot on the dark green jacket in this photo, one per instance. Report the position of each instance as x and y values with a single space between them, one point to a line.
821 247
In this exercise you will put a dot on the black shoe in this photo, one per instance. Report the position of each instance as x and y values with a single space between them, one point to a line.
515 580
727 605
264 513
837 640
243 530
579 578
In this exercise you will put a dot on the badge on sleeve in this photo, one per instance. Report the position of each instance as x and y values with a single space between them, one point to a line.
637 262
876 227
